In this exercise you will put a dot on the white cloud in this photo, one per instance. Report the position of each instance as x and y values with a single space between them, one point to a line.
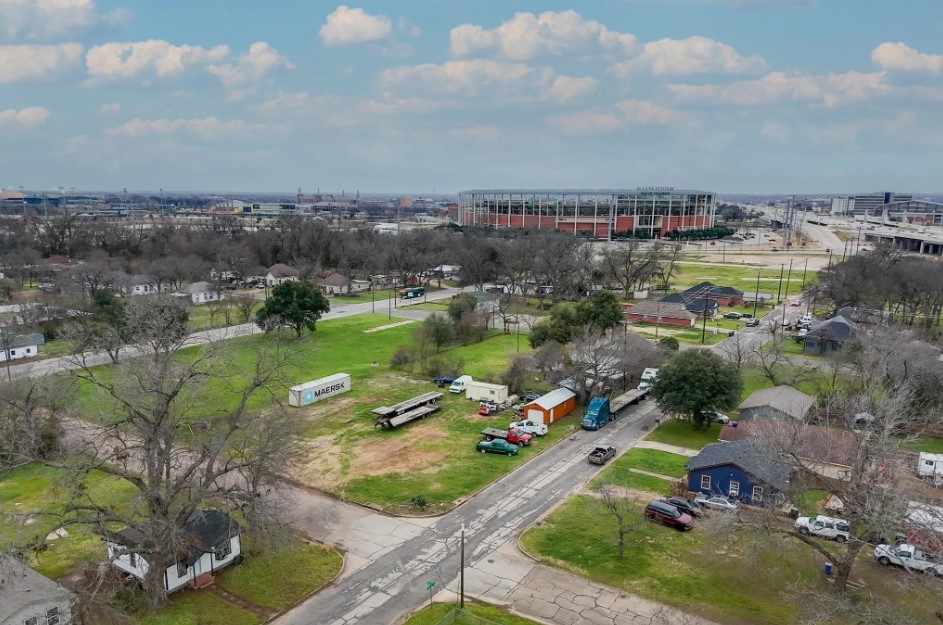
485 133
832 89
410 105
685 57
22 62
112 61
54 19
260 60
352 25
526 36
405 26
900 56
205 128
585 122
567 88
28 117
284 101
113 107
466 76
646 112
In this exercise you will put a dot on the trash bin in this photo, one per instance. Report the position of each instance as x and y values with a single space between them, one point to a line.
828 568
734 424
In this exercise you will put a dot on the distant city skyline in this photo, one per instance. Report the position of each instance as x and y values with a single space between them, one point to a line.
731 96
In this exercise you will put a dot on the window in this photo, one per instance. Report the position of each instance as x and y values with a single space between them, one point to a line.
734 488
222 550
52 620
31 621
757 493
133 558
182 568
52 616
705 482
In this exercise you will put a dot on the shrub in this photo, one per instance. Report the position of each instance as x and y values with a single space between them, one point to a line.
401 357
670 343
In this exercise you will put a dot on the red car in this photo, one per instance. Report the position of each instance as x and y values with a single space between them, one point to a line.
669 515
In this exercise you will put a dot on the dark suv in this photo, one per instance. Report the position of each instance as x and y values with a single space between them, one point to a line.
669 515
685 505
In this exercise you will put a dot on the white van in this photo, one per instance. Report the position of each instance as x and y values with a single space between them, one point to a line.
458 386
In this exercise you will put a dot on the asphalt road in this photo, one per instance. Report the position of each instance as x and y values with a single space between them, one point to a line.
397 582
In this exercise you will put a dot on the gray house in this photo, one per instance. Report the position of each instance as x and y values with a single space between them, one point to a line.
830 336
28 598
779 402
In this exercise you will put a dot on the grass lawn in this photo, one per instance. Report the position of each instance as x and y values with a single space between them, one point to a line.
189 607
277 579
737 578
754 379
380 295
681 432
652 460
431 615
685 335
741 276
810 501
927 444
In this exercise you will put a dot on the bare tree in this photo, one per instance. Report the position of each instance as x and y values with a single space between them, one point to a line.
631 264
244 303
30 428
176 450
777 366
737 351
619 503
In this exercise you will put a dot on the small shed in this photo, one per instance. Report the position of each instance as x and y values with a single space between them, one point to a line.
778 402
483 391
551 407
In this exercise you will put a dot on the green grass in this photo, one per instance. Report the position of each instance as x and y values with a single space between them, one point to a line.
189 607
810 501
927 444
741 277
200 318
431 615
674 567
652 460
681 432
277 579
380 295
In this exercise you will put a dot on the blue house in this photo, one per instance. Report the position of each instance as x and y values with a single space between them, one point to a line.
742 470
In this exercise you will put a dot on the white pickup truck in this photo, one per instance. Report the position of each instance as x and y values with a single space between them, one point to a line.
908 556
824 527
529 427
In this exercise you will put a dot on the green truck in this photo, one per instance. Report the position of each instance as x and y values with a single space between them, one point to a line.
497 446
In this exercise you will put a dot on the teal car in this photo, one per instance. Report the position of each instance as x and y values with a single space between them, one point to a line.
497 446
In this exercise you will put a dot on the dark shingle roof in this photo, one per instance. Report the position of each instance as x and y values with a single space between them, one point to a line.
836 329
660 309
784 398
710 288
760 462
203 531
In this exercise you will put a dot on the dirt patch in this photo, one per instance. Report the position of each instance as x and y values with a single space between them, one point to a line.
342 404
378 456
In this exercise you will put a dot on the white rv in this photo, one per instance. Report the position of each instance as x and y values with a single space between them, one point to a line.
648 378
930 466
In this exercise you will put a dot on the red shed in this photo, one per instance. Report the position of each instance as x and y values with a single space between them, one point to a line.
551 407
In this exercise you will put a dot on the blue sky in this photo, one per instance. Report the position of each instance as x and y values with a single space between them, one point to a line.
413 96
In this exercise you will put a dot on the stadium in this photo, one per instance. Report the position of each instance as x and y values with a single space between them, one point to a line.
646 212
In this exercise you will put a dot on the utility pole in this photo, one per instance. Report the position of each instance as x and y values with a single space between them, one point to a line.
788 276
779 293
5 343
756 298
461 577
804 269
704 324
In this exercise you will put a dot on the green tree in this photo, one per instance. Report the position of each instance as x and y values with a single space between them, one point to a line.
438 330
460 305
602 310
295 304
695 381
670 343
559 326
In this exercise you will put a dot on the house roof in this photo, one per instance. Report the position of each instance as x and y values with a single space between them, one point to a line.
21 586
25 340
553 398
333 279
760 462
836 329
138 279
709 288
866 315
281 270
693 303
660 309
783 398
198 287
205 529
811 442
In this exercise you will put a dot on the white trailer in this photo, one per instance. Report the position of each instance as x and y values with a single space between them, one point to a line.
930 466
319 389
648 378
482 391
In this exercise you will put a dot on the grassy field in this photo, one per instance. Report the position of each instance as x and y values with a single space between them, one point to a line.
741 277
199 608
737 578
200 317
686 335
927 444
652 460
681 432
492 614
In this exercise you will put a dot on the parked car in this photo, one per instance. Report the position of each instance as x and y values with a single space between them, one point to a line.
796 302
713 416
529 427
753 322
443 380
685 505
669 515
497 446
732 315
908 556
824 527
530 396
715 502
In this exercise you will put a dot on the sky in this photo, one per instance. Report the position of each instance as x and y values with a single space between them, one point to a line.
424 96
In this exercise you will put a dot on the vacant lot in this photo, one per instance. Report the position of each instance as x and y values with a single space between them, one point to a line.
681 432
743 277
620 472
738 578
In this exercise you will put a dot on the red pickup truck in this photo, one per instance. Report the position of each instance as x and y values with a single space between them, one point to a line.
511 436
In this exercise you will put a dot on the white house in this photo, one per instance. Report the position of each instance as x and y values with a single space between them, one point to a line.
17 347
280 273
202 293
28 598
338 284
210 539
140 285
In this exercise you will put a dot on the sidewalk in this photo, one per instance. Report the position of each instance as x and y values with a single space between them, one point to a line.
674 449
554 596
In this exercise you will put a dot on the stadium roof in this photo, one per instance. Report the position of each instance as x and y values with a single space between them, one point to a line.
642 191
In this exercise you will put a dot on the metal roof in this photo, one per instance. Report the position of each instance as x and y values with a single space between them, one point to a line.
655 191
553 398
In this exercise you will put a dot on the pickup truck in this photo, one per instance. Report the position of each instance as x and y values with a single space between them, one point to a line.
908 556
443 380
601 455
512 436
497 446
487 408
529 427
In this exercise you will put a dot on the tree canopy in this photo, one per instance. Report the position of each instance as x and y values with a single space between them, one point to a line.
295 304
694 381
601 310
